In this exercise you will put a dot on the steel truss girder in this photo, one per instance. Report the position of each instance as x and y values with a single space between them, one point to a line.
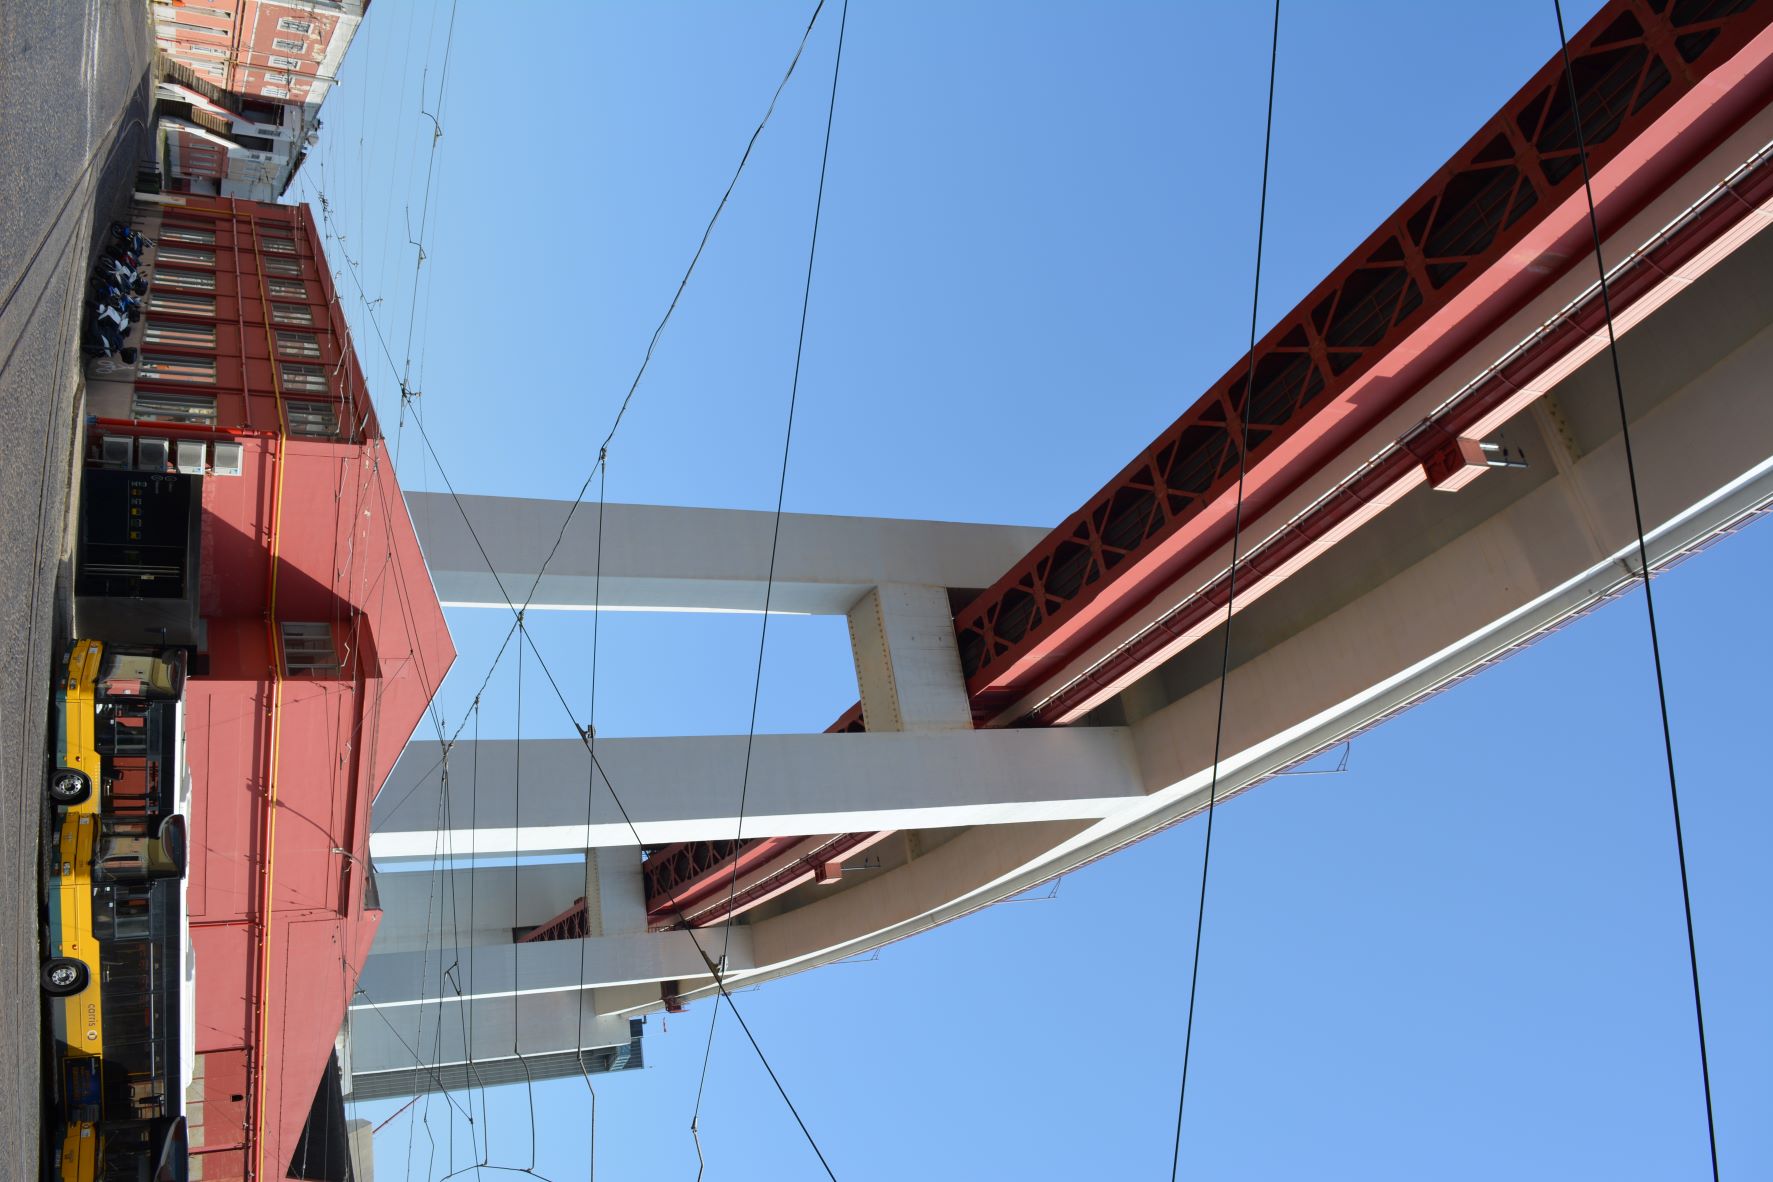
1632 64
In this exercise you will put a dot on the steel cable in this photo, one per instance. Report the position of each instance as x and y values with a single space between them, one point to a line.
1237 522
770 577
1637 510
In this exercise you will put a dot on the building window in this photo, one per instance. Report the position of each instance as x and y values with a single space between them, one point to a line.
308 649
173 408
288 288
278 245
297 344
188 280
211 50
291 314
180 304
274 91
284 63
289 45
289 267
196 235
162 367
305 379
178 334
290 24
314 419
185 254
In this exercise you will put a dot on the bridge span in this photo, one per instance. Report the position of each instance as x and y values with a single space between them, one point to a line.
1032 700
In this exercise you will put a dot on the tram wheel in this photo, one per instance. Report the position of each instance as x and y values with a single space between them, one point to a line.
63 977
67 786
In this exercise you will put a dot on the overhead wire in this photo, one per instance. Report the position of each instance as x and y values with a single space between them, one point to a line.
518 627
1637 510
1237 522
763 630
715 970
671 308
589 735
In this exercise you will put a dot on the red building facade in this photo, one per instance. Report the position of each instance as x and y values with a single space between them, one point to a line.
284 50
320 646
243 82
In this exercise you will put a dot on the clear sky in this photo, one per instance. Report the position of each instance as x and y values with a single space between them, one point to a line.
1460 958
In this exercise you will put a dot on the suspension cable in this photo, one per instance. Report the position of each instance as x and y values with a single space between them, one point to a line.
670 309
589 737
1237 522
770 578
1637 510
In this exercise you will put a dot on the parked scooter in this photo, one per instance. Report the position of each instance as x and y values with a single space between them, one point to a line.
115 271
117 279
136 243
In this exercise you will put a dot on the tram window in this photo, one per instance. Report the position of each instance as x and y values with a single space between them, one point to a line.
132 919
131 673
122 729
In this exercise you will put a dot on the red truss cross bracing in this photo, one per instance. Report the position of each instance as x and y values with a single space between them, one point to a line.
1659 84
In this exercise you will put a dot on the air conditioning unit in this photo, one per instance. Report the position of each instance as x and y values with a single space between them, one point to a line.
152 455
227 458
117 451
192 456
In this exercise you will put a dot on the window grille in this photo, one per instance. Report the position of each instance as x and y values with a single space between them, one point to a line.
164 367
161 407
289 24
187 280
177 303
297 344
308 649
179 335
178 232
185 254
304 379
288 44
313 419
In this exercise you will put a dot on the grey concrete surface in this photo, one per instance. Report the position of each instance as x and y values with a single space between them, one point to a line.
74 101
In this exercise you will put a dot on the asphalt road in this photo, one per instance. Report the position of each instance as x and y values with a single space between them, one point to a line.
74 101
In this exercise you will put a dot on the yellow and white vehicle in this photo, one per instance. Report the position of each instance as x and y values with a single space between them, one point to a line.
115 962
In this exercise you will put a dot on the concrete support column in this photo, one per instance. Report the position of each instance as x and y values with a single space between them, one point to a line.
615 892
907 663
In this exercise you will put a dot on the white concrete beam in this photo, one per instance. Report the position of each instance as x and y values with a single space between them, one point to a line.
394 980
659 558
687 789
384 1038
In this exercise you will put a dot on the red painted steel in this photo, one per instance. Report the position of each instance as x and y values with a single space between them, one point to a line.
1659 83
1499 395
278 915
570 924
695 875
1445 270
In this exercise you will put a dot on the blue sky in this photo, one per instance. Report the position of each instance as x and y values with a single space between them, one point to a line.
1460 958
